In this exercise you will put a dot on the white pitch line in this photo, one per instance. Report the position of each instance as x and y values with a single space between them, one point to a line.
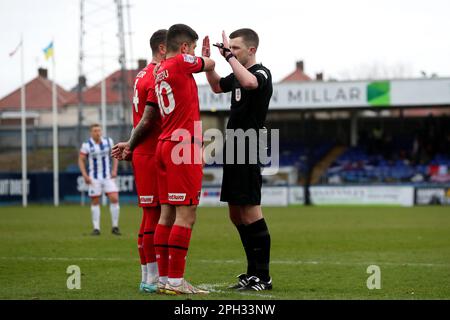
285 262
299 262
63 259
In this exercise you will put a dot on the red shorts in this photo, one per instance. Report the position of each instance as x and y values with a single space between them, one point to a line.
179 183
144 167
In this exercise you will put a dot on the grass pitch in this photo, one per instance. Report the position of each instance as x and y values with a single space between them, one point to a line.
317 253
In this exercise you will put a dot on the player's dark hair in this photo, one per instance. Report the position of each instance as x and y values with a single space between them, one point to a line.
178 34
157 38
249 36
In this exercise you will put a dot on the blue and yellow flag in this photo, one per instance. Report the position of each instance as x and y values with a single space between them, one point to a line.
48 51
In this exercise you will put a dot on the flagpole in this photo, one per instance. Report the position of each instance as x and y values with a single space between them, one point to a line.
55 135
103 91
23 129
103 104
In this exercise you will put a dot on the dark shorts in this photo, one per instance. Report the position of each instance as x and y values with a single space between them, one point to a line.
241 184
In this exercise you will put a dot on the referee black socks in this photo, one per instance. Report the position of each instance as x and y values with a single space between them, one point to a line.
258 244
251 268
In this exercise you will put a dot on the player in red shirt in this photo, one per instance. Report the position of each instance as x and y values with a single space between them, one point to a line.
179 163
142 146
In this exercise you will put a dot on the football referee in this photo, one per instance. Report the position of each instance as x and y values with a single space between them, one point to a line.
251 87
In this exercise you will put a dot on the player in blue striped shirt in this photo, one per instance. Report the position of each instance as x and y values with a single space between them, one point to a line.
101 176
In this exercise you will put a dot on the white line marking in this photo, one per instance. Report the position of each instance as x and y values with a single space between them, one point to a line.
286 262
63 259
350 263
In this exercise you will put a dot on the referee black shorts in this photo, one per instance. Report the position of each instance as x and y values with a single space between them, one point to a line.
241 184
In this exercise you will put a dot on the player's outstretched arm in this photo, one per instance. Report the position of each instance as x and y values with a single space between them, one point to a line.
212 76
210 64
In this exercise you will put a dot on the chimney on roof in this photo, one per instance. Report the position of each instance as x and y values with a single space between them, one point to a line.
142 63
42 73
82 82
300 65
319 76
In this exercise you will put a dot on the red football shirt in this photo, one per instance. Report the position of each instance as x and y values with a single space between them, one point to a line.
144 86
177 95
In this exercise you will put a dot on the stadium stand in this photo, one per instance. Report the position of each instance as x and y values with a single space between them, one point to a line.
390 160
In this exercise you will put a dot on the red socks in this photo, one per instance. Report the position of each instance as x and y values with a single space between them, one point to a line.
141 241
171 247
161 240
178 247
152 216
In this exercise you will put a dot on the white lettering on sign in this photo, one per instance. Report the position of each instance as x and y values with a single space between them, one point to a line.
12 187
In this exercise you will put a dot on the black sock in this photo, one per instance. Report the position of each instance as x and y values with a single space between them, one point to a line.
258 242
242 229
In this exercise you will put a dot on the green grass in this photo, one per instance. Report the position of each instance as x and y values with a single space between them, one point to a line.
317 253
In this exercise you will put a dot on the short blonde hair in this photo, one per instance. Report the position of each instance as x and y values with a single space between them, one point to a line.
92 126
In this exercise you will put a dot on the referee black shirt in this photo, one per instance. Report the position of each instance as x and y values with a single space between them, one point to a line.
249 107
241 183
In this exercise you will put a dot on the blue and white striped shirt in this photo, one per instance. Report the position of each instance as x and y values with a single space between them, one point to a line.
99 157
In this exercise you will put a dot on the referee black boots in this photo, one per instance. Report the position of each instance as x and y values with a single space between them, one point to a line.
256 284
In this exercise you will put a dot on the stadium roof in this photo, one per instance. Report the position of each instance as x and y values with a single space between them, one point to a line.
38 95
